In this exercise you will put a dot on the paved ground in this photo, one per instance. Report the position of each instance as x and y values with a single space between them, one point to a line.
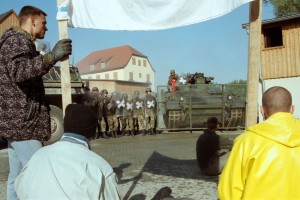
144 164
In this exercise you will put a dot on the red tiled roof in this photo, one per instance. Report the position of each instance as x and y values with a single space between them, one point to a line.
114 58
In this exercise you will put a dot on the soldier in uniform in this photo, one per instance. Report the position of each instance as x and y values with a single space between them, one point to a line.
173 78
138 113
109 109
127 119
150 111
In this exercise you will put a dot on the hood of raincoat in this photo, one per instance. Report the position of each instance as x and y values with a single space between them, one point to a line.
281 127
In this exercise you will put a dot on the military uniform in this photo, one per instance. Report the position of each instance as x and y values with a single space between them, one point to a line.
109 109
125 115
172 81
138 113
150 112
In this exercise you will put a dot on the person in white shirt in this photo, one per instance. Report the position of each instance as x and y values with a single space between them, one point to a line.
68 169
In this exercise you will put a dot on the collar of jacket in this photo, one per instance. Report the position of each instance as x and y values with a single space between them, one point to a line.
76 138
20 30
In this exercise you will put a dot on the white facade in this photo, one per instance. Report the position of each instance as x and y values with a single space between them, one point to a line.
291 84
138 69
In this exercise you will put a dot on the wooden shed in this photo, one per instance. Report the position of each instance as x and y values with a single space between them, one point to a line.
280 56
7 20
280 47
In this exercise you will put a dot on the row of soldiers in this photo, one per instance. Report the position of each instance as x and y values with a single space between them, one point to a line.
120 113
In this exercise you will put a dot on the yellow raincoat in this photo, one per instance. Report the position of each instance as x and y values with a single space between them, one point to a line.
264 162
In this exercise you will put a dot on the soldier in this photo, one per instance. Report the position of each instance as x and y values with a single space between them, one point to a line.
109 109
95 93
127 119
150 111
138 113
172 81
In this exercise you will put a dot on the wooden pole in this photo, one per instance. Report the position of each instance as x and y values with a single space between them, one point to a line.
65 71
254 62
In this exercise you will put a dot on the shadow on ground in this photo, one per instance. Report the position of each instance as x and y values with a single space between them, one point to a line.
159 164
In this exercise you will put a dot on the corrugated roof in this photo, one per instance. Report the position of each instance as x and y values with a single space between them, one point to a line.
114 58
4 15
275 20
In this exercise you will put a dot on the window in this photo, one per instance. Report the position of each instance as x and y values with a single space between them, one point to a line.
140 75
145 63
116 75
273 36
148 77
133 61
106 76
131 76
102 65
92 66
139 63
98 76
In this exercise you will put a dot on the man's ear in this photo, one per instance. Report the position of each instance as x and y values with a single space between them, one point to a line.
262 111
292 109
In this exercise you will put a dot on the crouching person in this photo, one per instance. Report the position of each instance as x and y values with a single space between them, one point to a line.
68 169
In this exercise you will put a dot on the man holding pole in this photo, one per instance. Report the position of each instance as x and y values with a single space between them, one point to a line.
24 112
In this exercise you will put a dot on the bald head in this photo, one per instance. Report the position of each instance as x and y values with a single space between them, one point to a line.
276 99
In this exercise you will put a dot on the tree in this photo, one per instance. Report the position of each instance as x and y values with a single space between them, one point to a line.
237 88
284 7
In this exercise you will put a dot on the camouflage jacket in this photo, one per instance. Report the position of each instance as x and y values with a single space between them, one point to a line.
150 105
138 107
24 112
109 106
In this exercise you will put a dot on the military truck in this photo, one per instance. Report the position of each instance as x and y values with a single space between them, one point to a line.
195 99
53 91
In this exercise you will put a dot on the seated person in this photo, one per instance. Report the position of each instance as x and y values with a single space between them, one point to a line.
68 169
210 160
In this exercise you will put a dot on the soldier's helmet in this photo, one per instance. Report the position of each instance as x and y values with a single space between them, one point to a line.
136 92
95 89
172 72
104 91
148 90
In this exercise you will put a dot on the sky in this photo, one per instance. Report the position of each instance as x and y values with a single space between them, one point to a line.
217 48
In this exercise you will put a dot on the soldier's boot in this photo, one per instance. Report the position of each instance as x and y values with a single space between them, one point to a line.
131 133
123 132
104 135
114 133
154 131
143 132
151 131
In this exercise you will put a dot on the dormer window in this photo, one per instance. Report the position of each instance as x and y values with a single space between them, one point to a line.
102 65
92 67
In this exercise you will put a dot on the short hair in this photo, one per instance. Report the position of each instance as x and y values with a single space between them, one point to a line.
212 123
276 99
28 11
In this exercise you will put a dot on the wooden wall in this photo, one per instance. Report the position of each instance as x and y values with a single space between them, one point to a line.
283 61
10 20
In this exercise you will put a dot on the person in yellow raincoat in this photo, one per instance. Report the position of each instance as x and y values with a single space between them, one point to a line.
265 160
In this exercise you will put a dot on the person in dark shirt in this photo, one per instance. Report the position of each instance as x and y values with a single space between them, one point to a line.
211 161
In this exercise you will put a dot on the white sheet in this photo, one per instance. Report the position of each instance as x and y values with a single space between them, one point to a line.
135 15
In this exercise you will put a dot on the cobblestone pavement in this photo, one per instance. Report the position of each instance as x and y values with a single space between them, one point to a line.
144 164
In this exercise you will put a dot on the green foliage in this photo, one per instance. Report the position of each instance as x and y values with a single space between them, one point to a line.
284 7
237 88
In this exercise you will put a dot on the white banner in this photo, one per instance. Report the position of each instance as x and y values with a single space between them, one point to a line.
133 15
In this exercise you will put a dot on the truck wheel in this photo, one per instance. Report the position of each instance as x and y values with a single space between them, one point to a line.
57 128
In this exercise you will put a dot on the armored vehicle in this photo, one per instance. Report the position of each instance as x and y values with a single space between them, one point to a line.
195 99
53 91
